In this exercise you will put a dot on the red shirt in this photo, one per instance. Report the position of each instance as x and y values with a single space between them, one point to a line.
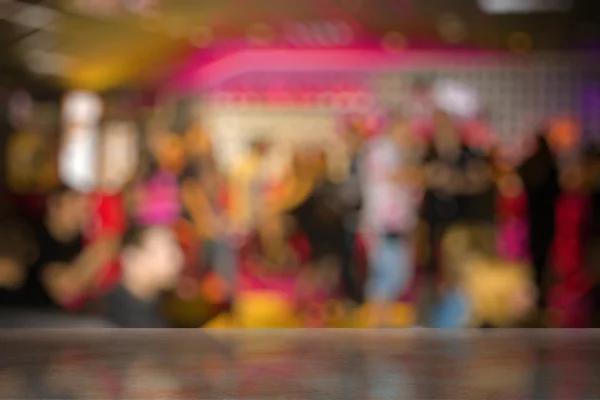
109 216
108 220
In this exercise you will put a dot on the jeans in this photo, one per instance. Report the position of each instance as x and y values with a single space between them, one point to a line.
220 257
391 269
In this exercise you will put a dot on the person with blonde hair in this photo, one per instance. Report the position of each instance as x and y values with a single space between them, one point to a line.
479 289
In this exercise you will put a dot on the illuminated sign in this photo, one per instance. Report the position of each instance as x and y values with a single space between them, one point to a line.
524 6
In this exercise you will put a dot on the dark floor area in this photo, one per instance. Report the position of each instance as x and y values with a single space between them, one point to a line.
299 364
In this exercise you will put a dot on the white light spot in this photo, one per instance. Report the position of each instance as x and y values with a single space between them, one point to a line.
524 6
82 108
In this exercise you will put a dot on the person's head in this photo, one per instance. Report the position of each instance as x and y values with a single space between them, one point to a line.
541 143
197 142
17 251
310 162
67 210
169 151
151 256
446 135
400 131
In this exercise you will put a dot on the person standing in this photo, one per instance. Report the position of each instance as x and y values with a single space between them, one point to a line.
247 185
391 183
351 194
540 177
459 188
592 228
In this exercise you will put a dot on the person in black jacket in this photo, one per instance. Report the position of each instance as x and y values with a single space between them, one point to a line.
592 227
458 189
351 200
320 218
540 176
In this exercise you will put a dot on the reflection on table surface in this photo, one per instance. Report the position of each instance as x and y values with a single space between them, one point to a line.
299 364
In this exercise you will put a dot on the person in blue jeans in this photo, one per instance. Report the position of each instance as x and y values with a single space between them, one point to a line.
391 272
391 195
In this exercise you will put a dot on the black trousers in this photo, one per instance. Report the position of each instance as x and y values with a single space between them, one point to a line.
352 288
428 297
540 244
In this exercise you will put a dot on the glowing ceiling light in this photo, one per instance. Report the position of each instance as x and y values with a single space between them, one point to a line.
451 28
524 6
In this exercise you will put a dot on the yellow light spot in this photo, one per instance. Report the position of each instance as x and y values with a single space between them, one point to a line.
451 28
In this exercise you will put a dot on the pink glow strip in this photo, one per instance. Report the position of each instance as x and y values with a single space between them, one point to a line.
216 72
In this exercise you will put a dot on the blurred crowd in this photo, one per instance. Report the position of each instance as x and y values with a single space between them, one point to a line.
427 224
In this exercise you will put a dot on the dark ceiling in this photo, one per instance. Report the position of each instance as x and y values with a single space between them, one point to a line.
128 42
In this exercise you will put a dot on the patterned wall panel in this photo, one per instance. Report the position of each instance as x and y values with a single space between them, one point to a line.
519 93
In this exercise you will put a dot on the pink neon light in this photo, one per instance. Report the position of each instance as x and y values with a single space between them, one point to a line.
215 72
281 60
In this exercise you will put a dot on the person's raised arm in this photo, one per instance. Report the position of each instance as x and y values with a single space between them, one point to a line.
67 282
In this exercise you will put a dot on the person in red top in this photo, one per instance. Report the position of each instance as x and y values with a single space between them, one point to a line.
110 222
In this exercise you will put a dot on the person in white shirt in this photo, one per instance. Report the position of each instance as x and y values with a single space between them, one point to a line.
390 215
